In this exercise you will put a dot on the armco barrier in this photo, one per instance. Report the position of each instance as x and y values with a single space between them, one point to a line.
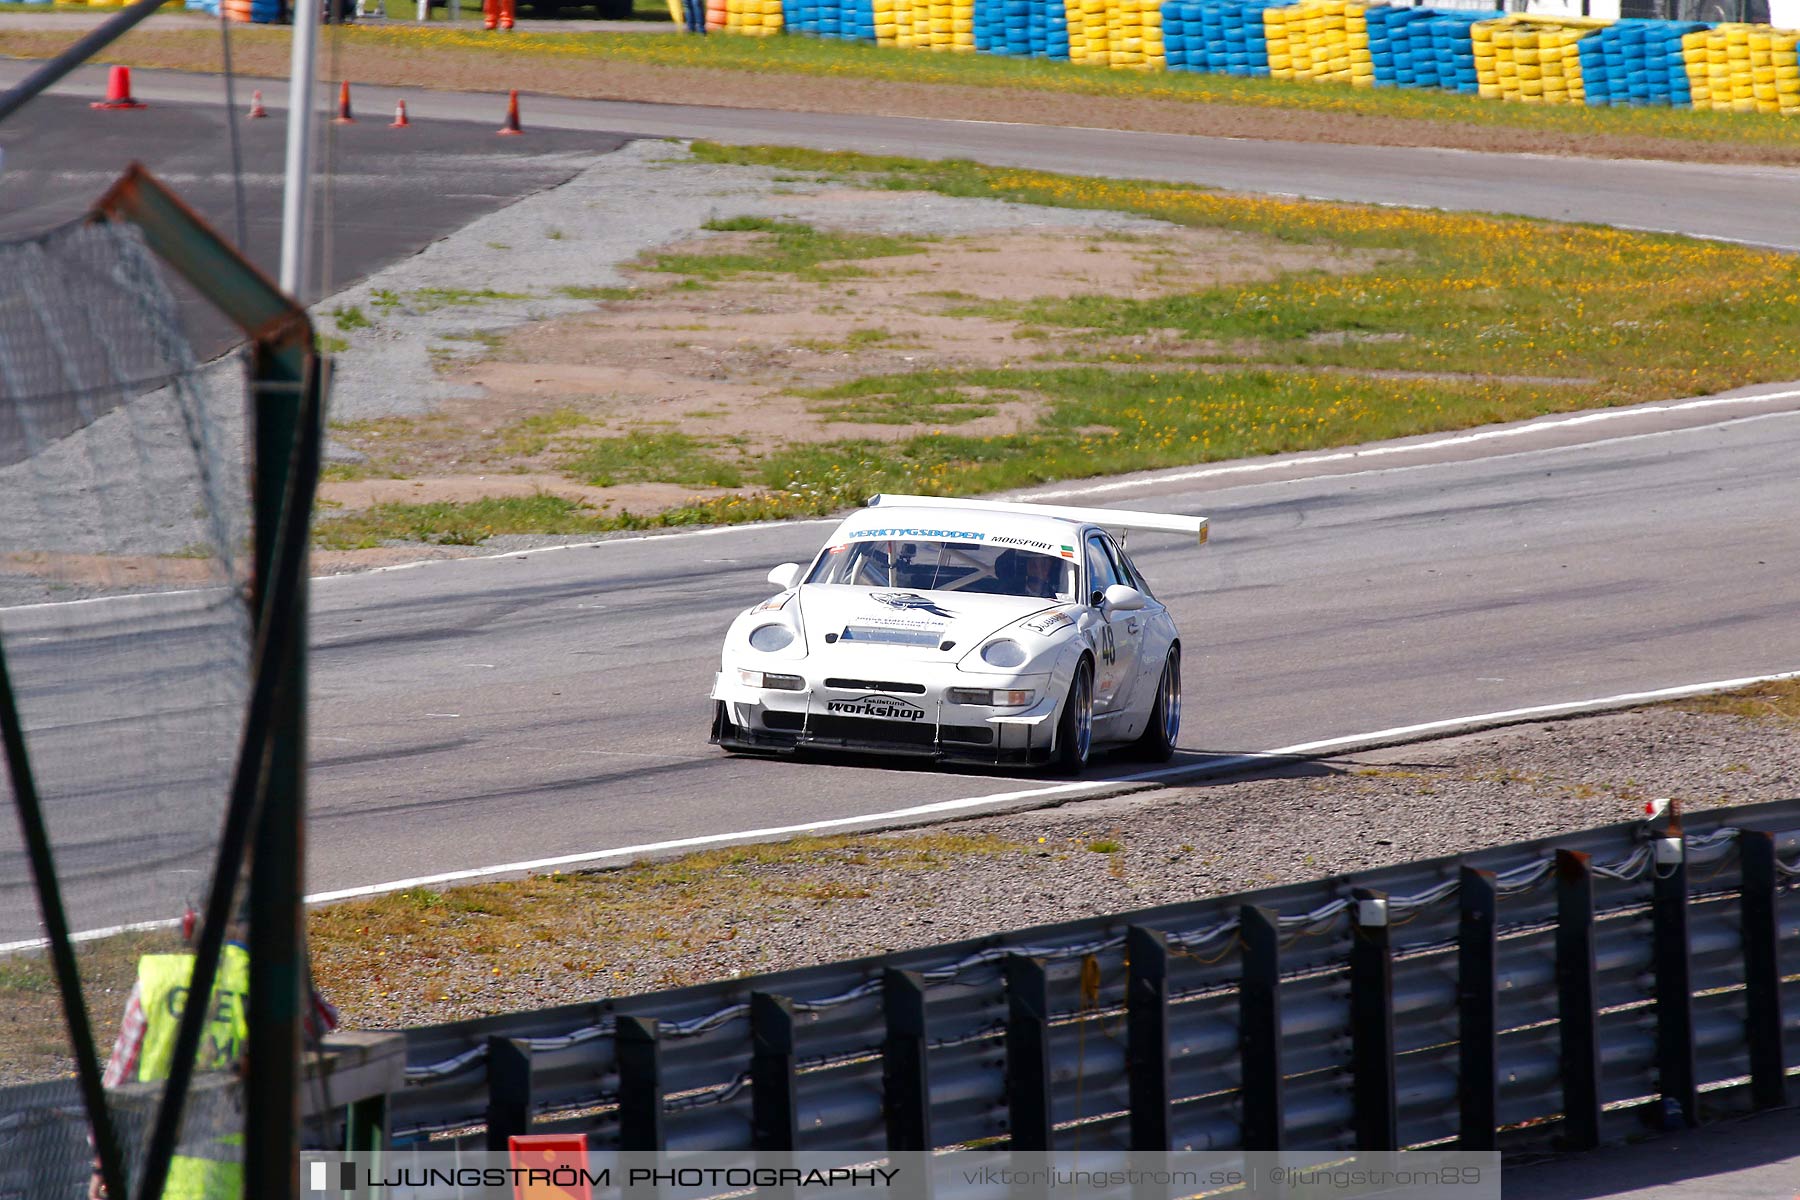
1562 990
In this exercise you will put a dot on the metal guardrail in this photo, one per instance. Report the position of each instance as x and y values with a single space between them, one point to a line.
1559 992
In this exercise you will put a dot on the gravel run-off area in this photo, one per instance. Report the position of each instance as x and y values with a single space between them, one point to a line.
900 891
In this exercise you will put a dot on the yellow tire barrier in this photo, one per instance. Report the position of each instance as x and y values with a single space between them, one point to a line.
1116 33
1743 68
1320 39
1532 60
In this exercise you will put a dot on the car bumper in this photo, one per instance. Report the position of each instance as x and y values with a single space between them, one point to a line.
914 719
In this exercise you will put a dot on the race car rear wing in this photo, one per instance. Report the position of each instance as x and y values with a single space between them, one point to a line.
1110 518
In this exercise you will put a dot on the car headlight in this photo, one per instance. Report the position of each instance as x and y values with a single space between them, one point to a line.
993 697
1003 652
772 637
771 681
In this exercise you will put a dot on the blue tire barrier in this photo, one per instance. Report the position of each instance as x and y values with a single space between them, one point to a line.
1637 62
1218 37
1022 28
1424 47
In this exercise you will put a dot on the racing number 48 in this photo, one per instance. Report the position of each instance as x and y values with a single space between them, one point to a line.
1108 651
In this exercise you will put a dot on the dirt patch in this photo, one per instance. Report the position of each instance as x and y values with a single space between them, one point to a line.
719 371
116 571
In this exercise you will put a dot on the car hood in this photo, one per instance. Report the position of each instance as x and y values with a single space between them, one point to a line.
909 625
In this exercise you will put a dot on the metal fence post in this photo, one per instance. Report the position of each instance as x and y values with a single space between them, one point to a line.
509 1090
1028 1053
774 1104
1377 1117
1147 1036
1674 991
1762 968
1478 1037
905 1072
639 1044
1259 1028
1576 1014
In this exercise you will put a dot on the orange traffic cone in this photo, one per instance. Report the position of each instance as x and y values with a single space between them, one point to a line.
118 90
343 117
400 121
256 106
511 128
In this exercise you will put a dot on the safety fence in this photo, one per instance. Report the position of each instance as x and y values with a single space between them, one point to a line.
1533 59
1559 991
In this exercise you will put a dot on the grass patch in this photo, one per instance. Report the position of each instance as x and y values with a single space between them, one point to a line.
330 344
452 524
899 400
640 456
1641 316
1455 320
1777 701
531 436
433 298
786 248
416 947
34 1040
349 317
571 291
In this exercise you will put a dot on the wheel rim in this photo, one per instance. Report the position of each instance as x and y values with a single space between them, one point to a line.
1084 716
1172 700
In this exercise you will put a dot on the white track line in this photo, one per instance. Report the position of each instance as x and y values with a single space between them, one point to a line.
1262 466
1380 737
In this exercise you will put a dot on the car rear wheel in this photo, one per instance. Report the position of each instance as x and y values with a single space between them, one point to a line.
1158 742
1075 727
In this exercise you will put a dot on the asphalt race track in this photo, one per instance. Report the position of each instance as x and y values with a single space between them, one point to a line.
391 192
1751 204
497 710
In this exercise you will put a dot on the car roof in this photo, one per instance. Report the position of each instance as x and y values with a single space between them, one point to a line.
1045 533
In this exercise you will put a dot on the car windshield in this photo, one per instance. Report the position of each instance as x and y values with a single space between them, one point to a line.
947 567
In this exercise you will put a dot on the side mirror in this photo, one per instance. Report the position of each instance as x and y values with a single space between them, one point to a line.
1120 598
785 576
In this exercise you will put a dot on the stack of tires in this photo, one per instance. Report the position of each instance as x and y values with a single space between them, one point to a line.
852 20
1116 33
754 18
1742 68
1532 60
1022 28
1637 62
1322 39
1220 37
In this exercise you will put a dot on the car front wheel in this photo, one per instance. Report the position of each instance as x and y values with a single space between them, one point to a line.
1075 727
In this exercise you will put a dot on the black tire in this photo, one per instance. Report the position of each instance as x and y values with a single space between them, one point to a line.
1075 726
1158 741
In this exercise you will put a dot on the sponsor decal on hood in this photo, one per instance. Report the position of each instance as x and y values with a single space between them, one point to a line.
883 708
1049 622
910 602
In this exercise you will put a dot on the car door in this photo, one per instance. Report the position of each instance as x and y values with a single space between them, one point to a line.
1120 634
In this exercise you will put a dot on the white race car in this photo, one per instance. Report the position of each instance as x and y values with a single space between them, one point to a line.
960 629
